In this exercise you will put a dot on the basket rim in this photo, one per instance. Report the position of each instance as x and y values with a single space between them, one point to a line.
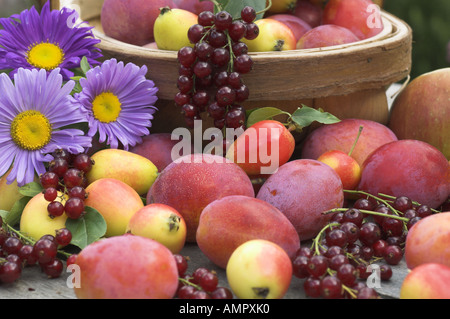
394 28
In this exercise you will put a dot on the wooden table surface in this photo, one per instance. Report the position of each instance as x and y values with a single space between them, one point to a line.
35 285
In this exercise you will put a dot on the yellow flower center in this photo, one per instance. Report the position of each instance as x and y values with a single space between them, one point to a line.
106 107
31 130
45 56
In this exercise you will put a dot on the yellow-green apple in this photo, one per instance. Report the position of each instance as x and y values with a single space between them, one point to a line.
161 223
427 281
125 267
171 28
193 181
273 36
133 169
116 201
9 193
341 136
230 221
297 25
259 269
131 21
326 36
410 168
195 6
427 241
422 110
345 166
281 6
35 220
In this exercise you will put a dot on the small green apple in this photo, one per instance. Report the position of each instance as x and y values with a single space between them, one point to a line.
35 220
9 193
159 222
273 36
345 166
259 269
171 28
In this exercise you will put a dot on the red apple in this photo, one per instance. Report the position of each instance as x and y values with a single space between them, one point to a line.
422 110
427 281
131 21
427 241
195 6
297 25
341 136
326 36
302 190
309 12
362 17
126 267
262 148
409 168
191 182
157 147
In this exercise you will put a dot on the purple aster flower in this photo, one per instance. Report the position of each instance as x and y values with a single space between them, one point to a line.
119 102
48 40
34 111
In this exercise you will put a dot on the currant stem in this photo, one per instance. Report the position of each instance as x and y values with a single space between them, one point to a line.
31 241
316 240
374 197
187 282
414 202
266 8
369 212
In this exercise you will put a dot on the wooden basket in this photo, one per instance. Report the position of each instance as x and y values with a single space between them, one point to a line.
350 81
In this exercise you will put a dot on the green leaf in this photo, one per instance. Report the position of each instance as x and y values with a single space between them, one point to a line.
86 229
31 189
264 113
306 115
234 7
3 213
14 215
84 65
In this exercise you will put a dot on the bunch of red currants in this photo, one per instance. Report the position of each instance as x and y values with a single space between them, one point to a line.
210 72
18 252
66 180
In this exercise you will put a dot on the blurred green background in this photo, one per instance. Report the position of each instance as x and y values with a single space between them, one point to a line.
430 22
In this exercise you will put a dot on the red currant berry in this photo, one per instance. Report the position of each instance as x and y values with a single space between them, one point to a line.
50 194
74 207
